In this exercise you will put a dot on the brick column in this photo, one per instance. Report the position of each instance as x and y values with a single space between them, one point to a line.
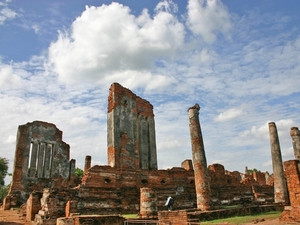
280 188
87 163
177 217
148 203
200 165
295 134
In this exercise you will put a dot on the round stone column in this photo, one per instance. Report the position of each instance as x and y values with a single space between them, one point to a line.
295 134
148 203
280 188
87 163
199 160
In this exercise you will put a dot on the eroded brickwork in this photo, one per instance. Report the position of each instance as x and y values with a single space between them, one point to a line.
148 203
199 160
292 172
280 189
41 160
131 130
295 134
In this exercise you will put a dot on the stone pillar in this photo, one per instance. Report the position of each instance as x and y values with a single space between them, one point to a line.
40 172
187 164
48 160
200 165
280 188
87 163
148 203
295 134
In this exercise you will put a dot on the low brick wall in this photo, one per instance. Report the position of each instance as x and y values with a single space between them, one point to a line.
91 219
185 216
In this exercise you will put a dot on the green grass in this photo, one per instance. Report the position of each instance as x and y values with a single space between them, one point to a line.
232 206
244 219
131 216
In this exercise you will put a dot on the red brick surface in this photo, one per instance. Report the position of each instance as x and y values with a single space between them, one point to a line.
292 173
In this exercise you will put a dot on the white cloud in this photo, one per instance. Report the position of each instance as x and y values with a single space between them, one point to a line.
11 139
229 114
207 18
79 121
8 78
283 126
107 42
6 14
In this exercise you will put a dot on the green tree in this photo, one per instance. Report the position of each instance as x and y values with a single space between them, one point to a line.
3 169
252 171
78 172
3 191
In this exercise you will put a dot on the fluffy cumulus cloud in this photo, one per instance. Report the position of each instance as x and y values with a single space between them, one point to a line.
208 18
283 126
229 114
124 47
107 42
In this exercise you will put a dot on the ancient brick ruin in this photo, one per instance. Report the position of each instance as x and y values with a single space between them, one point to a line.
280 188
131 181
291 212
200 165
41 160
131 130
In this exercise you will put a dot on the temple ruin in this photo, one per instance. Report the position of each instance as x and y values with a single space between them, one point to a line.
41 160
44 181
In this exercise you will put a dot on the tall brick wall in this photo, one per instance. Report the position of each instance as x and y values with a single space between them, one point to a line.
131 130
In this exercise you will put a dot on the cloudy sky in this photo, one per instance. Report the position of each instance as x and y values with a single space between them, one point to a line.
238 59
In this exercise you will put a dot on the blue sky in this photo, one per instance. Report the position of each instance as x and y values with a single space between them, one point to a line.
238 59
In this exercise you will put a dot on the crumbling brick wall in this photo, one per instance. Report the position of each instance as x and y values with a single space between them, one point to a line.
292 173
131 130
107 189
41 160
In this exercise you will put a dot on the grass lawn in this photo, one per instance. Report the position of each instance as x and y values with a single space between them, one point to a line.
245 219
131 216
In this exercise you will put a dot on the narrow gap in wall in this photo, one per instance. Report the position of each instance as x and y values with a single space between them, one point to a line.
29 158
37 158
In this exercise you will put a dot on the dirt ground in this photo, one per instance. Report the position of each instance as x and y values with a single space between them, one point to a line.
14 217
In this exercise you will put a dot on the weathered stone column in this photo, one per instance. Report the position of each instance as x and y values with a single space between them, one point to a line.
199 160
87 163
148 203
280 188
295 134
